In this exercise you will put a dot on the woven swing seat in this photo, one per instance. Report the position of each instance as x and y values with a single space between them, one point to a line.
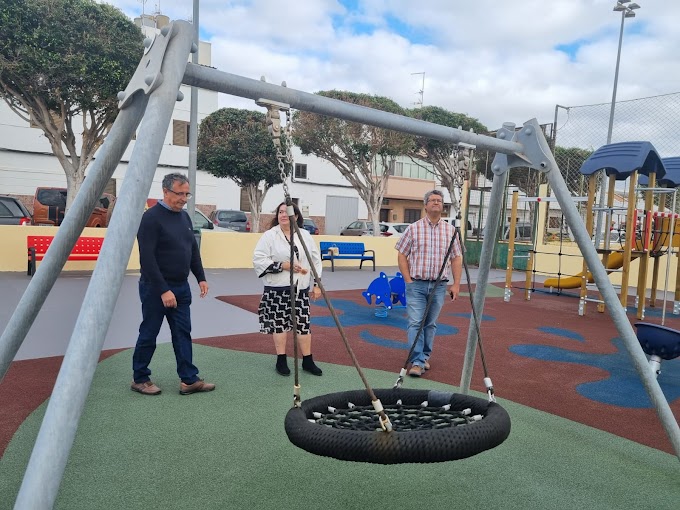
421 432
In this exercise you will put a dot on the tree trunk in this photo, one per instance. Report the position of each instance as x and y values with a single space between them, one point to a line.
74 180
256 198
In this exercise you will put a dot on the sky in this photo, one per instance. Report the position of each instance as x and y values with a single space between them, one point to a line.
492 60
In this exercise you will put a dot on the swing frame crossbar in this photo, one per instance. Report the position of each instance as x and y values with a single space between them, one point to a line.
148 102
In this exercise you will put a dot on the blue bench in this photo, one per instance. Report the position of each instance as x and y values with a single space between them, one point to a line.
346 251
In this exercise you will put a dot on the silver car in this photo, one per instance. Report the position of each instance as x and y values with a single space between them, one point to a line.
201 222
358 228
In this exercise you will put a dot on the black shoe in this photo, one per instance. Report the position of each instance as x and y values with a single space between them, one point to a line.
282 365
309 366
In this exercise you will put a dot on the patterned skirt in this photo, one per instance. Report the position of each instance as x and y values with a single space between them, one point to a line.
274 311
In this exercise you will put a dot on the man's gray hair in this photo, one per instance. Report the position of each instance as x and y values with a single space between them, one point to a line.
171 179
433 192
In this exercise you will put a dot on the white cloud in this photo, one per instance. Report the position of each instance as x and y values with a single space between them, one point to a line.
489 59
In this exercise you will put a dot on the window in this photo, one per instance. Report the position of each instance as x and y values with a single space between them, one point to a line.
4 211
411 215
52 197
300 171
396 168
180 133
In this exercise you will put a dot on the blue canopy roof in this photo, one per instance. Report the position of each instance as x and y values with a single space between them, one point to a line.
672 177
622 159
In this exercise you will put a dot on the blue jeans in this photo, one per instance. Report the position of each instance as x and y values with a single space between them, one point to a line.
416 301
179 320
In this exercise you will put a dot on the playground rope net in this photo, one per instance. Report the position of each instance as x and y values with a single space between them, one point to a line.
403 417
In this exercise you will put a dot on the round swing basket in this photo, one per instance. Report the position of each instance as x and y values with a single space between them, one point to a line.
428 426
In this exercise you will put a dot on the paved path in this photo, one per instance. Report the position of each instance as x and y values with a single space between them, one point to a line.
53 327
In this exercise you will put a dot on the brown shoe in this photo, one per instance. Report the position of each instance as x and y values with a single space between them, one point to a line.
145 388
416 371
197 387
427 365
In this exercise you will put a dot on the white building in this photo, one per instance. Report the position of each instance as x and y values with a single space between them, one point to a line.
321 192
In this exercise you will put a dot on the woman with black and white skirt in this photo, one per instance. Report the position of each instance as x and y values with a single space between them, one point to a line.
271 261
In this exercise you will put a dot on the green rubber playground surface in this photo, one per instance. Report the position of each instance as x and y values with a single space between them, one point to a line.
228 449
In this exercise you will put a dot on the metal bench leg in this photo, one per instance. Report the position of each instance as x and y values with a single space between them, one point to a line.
31 262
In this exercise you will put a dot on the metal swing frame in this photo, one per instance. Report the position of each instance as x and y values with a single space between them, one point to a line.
150 98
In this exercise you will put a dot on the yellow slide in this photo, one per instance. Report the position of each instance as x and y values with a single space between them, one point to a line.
614 261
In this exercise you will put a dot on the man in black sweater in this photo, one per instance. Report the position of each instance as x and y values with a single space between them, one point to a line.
167 252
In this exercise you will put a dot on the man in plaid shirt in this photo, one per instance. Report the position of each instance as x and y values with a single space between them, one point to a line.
422 249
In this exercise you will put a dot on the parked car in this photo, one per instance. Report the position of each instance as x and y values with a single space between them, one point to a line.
49 205
393 229
235 220
13 212
310 226
358 228
522 232
451 220
202 222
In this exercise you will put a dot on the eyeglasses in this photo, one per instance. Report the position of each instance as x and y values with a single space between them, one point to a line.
180 194
435 201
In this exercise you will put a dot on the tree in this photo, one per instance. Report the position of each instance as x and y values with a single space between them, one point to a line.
363 154
450 161
570 161
63 61
236 144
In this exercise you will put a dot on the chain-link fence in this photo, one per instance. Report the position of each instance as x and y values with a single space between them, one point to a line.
576 133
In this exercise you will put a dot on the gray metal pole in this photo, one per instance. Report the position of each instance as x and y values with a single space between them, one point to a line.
496 202
48 460
538 151
599 230
227 83
42 282
193 123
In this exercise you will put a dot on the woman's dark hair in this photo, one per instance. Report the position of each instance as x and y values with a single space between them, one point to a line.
275 221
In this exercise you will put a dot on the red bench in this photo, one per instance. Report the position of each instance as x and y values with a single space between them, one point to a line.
86 248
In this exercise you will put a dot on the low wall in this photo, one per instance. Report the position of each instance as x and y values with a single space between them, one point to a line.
219 250
232 250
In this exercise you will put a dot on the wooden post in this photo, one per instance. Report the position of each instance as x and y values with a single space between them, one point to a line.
592 188
658 237
607 233
530 268
645 241
464 206
630 238
511 243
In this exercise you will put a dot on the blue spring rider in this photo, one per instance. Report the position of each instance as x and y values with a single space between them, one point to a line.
658 342
388 291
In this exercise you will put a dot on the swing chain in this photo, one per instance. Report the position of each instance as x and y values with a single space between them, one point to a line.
284 155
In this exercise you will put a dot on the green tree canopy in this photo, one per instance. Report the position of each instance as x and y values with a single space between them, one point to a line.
67 59
449 160
570 161
361 153
235 144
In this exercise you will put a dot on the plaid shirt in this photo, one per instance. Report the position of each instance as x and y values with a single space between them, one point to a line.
424 244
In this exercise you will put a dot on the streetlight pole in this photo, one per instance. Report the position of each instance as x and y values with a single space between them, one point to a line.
627 11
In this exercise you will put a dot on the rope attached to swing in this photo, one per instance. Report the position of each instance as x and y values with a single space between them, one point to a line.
430 426
283 159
